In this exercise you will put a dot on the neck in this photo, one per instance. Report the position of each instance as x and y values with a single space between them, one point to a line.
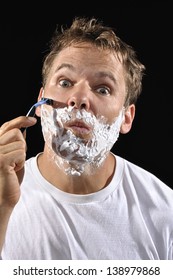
89 181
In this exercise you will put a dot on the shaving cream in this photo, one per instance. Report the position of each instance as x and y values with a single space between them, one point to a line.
73 153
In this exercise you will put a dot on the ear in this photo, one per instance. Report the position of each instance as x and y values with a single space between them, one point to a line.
37 111
128 119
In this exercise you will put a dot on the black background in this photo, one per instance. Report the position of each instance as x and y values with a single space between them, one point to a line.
148 28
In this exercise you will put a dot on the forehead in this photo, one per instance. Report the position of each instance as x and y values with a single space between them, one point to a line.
86 56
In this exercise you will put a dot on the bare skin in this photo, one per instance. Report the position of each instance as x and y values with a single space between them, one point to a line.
12 158
78 67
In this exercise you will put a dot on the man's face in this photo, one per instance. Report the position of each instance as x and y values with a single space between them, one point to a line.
89 88
85 77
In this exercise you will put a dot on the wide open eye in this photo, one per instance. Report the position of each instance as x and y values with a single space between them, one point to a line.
103 91
65 83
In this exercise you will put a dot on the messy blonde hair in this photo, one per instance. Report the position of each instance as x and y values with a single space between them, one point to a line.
93 31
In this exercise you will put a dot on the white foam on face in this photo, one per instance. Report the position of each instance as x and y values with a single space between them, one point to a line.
72 153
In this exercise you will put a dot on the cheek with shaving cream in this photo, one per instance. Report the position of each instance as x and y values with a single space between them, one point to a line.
73 149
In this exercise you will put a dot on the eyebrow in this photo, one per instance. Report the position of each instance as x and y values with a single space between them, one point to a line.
105 74
65 65
100 74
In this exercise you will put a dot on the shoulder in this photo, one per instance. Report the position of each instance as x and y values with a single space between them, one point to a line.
144 183
31 163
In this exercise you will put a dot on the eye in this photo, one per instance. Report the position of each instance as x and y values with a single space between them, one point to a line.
103 91
65 83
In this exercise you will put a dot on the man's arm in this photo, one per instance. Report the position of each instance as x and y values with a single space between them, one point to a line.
12 160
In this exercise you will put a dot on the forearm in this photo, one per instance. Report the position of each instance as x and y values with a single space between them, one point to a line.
5 213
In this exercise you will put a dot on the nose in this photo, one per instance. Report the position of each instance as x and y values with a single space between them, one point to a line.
79 101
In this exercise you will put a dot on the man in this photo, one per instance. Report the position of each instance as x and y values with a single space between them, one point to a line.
76 199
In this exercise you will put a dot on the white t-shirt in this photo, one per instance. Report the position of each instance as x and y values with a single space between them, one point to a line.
132 218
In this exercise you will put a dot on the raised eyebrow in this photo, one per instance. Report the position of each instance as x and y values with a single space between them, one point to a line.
100 74
65 65
103 74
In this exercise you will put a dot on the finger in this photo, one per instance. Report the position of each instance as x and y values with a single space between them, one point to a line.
11 136
14 146
18 122
12 161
